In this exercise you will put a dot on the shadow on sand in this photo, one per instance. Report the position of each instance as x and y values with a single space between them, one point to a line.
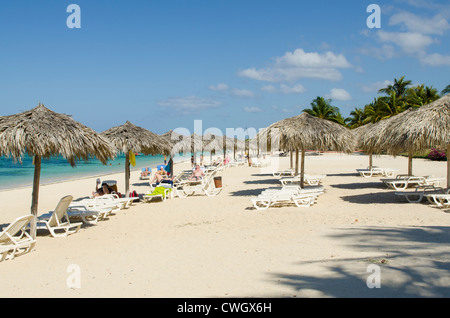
416 263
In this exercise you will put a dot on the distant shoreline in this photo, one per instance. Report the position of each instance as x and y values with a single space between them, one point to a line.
74 178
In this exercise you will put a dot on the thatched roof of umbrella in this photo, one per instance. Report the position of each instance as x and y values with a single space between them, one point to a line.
129 137
304 132
42 133
172 137
419 129
192 143
308 132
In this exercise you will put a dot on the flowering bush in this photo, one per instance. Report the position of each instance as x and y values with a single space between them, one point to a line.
436 154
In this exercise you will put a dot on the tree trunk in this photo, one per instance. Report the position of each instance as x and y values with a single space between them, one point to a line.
35 194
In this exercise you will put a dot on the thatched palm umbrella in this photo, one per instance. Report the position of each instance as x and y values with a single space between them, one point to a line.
129 137
42 133
308 132
364 132
419 129
192 143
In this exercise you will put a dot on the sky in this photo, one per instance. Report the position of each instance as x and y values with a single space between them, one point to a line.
162 64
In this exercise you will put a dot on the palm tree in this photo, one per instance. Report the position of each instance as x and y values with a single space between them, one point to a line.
421 95
356 118
375 111
321 107
446 90
400 87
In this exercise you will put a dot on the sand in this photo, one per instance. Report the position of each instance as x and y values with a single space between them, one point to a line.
222 247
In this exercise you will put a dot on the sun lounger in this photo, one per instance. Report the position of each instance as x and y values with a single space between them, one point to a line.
14 239
287 194
206 186
88 215
441 200
402 182
419 193
284 173
309 179
160 192
376 171
58 220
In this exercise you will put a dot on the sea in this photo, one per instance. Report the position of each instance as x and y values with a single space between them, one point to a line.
14 174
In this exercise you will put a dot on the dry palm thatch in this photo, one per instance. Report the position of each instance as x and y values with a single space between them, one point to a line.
172 137
42 133
192 143
304 132
129 137
419 129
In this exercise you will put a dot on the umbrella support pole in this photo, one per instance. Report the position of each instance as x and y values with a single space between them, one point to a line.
448 166
296 162
35 194
410 162
302 176
127 172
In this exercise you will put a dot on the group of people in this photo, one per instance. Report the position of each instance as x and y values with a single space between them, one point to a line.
161 176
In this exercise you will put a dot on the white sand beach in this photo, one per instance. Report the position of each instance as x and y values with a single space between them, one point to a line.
221 246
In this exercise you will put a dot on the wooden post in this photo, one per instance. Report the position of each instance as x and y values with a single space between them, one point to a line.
302 177
410 162
296 162
127 173
291 155
35 194
448 166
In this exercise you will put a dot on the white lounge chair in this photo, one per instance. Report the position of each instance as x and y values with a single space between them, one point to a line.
58 220
441 200
88 215
309 179
376 171
284 173
162 191
419 193
14 239
287 194
402 182
206 186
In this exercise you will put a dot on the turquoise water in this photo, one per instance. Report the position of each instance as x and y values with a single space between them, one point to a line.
15 175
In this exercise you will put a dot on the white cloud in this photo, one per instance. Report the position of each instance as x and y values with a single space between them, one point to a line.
285 89
242 93
435 59
252 109
219 87
416 24
189 104
374 87
300 64
339 94
409 42
269 88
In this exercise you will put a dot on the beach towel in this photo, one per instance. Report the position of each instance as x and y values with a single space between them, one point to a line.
132 158
158 191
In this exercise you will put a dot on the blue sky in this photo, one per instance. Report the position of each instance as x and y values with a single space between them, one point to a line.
163 64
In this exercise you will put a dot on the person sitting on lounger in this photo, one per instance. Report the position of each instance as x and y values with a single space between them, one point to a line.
145 173
161 177
104 189
197 174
